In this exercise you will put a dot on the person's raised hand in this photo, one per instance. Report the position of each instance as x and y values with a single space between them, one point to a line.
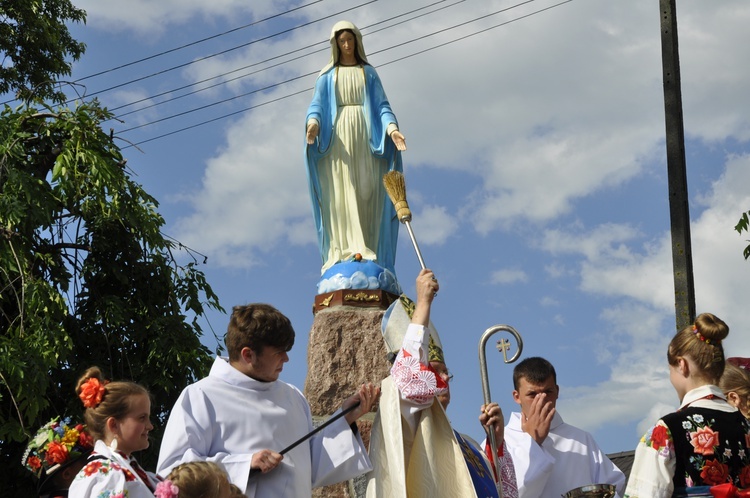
367 395
427 286
537 422
265 460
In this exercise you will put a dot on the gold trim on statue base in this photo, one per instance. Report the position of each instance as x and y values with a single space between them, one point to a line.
358 298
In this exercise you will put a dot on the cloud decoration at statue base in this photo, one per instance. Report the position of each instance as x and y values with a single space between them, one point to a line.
358 275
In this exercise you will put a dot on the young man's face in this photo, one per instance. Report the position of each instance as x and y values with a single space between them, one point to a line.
267 365
527 391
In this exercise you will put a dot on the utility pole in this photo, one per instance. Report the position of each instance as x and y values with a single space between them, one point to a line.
679 211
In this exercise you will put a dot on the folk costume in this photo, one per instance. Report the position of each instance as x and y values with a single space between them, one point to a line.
55 453
414 450
704 443
569 458
228 416
109 473
345 166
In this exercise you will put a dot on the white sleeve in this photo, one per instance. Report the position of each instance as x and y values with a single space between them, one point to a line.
606 470
417 383
187 438
653 469
337 454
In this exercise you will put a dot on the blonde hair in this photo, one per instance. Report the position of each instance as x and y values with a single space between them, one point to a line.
116 401
701 342
735 380
201 479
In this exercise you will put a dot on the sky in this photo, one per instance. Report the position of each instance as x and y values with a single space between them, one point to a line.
535 170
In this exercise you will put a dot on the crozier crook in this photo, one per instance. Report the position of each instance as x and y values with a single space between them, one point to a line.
503 345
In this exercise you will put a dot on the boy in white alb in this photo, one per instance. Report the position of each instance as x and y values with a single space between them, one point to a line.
550 456
241 415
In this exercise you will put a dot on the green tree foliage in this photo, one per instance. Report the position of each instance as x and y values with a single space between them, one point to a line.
86 278
744 225
35 44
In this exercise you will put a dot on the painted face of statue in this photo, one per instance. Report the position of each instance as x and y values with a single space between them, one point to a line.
347 44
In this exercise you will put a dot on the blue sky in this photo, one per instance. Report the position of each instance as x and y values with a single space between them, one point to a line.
535 170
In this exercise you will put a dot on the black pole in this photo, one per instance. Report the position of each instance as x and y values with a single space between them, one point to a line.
682 253
254 472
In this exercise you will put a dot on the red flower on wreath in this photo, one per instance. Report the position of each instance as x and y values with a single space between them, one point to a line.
85 440
745 477
34 462
715 472
704 440
659 437
56 453
92 392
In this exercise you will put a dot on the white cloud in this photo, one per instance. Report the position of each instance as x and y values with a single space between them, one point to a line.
253 196
547 301
508 276
436 225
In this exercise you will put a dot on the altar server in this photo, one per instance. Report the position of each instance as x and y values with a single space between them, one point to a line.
242 415
550 456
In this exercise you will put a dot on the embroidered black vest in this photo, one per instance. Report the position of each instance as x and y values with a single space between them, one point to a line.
711 447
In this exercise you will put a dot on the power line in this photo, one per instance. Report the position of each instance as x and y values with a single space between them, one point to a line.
478 32
196 42
218 118
223 82
189 111
229 99
381 65
176 49
179 66
206 106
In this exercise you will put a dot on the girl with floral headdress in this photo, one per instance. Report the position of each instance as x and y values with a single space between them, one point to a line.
55 455
118 417
701 448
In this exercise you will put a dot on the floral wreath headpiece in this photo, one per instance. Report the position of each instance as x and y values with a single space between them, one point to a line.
56 444
166 489
92 392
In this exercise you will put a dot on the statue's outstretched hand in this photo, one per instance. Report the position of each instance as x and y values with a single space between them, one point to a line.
397 137
312 132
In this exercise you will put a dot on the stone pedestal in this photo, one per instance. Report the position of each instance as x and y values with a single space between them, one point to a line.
345 350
